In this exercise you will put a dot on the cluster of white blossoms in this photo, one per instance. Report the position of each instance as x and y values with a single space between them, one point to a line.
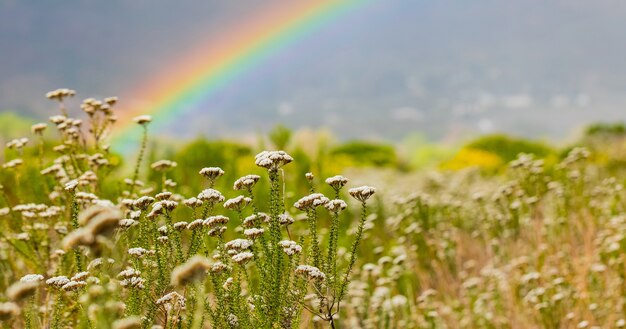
310 272
246 182
311 201
362 193
272 160
290 247
142 119
60 94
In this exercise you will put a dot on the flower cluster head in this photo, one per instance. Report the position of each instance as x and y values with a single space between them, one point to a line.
211 196
255 220
8 311
142 119
362 193
98 222
22 290
172 299
237 203
335 206
290 247
60 94
310 272
212 173
242 257
38 128
238 245
193 270
272 160
131 278
164 165
246 182
253 233
311 201
337 182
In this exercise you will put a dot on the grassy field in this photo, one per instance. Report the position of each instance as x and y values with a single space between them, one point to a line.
504 233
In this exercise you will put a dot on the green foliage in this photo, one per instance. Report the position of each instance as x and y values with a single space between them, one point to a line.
363 153
615 129
508 148
13 125
280 136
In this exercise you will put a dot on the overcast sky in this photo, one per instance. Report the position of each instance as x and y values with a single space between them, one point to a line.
387 69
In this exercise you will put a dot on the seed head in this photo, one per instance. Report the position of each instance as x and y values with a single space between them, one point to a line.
246 182
22 290
194 269
362 193
8 311
272 160
311 201
143 119
133 322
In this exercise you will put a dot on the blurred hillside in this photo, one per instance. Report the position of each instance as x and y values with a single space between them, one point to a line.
444 68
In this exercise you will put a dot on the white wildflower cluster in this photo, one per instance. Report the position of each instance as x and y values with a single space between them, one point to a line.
212 173
311 201
290 247
310 272
246 182
216 224
211 196
272 160
237 203
337 182
362 193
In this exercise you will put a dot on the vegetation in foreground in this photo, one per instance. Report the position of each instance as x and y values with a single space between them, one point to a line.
521 241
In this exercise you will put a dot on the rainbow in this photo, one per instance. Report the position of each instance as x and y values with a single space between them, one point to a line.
221 61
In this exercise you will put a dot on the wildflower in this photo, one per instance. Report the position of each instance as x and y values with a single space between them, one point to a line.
133 282
8 310
129 273
237 203
362 193
310 272
60 94
137 252
215 221
290 247
22 290
13 164
272 160
193 270
38 128
80 276
126 223
218 267
242 257
74 285
212 173
163 165
143 119
253 233
163 196
143 202
195 224
193 203
238 244
253 220
285 219
57 281
311 201
336 205
172 298
133 322
211 196
309 176
246 182
179 226
337 182
228 283
32 278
